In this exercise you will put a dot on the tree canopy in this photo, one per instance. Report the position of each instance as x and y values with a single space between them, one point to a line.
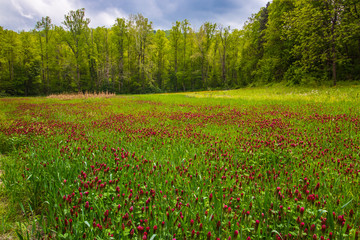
294 42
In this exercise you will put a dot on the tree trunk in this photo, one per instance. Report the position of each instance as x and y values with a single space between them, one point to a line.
333 46
224 65
334 65
47 63
359 46
42 65
11 72
121 73
78 77
203 71
121 66
47 74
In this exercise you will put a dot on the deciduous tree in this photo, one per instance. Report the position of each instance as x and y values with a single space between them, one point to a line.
78 29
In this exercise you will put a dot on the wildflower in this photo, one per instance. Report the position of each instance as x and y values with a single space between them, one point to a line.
140 228
302 209
257 222
312 228
106 214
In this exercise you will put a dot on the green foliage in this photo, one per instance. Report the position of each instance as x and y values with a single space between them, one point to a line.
160 48
293 42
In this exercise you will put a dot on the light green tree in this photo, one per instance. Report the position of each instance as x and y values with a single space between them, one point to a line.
140 29
44 28
78 29
160 55
175 37
10 50
224 33
119 37
29 67
204 39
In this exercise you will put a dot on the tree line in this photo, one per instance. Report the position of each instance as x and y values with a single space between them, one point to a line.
290 41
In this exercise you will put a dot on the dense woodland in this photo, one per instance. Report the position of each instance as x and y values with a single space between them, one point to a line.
305 42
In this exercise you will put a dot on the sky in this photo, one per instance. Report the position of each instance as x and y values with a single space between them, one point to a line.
20 15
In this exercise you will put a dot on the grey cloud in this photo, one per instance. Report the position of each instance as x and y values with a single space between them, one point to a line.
104 12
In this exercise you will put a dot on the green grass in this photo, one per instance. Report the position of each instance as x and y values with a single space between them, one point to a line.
7 221
283 148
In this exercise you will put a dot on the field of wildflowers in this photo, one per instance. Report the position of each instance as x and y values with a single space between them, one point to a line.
242 164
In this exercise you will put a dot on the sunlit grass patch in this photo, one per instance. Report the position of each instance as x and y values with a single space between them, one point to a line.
81 95
329 95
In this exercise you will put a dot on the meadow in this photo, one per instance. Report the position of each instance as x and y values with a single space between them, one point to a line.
254 163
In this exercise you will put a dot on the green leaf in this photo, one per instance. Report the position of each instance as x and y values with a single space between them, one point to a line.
63 235
320 212
331 220
153 236
274 231
346 204
87 223
19 235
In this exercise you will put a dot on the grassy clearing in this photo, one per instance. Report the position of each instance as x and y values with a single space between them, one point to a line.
251 163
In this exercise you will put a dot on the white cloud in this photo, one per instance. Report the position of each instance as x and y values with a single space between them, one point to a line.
20 9
23 14
105 18
54 9
241 13
150 8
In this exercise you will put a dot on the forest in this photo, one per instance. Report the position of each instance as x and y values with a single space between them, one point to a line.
292 42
